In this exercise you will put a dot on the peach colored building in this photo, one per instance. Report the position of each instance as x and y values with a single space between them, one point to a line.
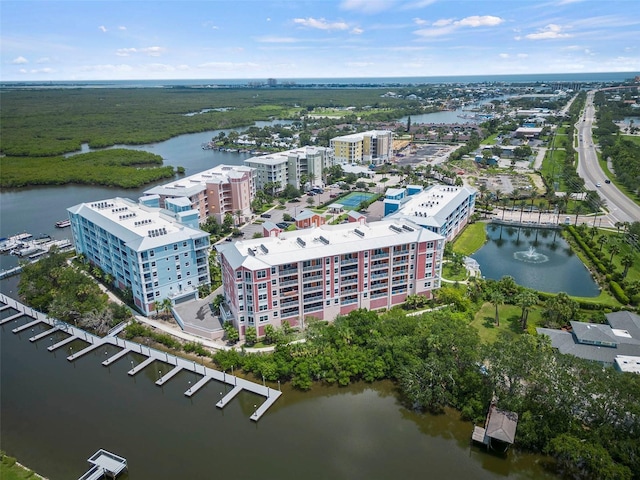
212 193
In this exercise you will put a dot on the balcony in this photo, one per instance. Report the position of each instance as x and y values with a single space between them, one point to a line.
349 281
313 308
380 255
292 313
312 267
311 298
315 288
288 271
349 261
290 303
349 301
289 282
312 278
349 270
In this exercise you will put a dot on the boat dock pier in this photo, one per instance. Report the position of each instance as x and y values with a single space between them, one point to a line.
104 464
178 363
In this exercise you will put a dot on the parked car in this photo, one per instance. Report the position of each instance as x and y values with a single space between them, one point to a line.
333 195
266 215
282 225
607 181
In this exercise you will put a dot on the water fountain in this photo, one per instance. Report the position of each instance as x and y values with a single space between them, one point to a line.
531 256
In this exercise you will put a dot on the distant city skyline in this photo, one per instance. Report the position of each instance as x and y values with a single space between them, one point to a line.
224 39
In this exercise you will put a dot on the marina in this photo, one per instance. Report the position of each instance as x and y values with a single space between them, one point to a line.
94 342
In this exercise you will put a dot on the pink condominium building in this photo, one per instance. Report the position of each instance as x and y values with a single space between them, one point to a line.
212 193
327 271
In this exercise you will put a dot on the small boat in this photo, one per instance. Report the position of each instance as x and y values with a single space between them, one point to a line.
63 223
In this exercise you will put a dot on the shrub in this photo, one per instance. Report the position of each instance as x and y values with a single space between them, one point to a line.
618 292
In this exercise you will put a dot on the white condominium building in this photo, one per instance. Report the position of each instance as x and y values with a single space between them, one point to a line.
442 209
282 168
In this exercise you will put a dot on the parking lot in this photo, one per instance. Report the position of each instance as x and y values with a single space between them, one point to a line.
275 215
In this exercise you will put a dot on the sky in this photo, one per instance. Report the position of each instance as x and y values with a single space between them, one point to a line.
230 39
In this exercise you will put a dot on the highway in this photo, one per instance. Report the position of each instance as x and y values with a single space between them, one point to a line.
621 208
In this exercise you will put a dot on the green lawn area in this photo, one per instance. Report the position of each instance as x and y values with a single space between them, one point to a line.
553 157
625 248
448 273
10 470
471 239
490 140
484 321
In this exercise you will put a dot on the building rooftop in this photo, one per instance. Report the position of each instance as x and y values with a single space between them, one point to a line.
326 240
198 182
432 206
278 158
599 342
139 226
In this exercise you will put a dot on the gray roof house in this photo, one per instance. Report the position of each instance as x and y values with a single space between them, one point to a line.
617 343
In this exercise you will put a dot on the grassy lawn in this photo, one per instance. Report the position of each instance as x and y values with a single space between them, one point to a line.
10 470
449 274
490 140
484 321
553 157
625 248
471 239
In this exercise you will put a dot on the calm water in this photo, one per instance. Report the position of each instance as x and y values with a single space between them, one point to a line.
506 253
55 414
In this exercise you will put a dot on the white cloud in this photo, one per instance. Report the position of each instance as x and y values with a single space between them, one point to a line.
227 65
357 31
417 4
446 26
522 55
320 24
110 68
275 39
102 28
366 6
151 51
125 52
480 21
420 21
359 64
122 27
551 31
504 55
43 60
19 61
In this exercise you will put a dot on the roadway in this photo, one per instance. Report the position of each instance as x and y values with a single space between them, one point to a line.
619 206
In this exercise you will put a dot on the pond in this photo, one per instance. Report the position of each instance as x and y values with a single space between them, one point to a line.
536 258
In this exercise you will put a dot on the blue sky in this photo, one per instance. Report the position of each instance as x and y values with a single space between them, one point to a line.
222 39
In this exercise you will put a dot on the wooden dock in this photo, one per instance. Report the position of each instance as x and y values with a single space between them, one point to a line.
178 363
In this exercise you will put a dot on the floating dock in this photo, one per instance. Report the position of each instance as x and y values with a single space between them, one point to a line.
33 317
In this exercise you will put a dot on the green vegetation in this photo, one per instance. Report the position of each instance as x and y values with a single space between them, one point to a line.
51 122
10 469
471 239
114 168
68 293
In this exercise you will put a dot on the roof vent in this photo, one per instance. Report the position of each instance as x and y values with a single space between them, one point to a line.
360 233
324 240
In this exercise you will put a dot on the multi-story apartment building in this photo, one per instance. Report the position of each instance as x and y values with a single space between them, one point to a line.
289 167
212 193
372 147
442 209
144 249
327 271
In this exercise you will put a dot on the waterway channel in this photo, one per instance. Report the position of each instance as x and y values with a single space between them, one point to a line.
55 414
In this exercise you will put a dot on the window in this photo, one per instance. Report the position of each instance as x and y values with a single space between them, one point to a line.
186 254
177 257
153 264
239 275
273 270
273 282
261 274
157 294
186 264
152 253
175 246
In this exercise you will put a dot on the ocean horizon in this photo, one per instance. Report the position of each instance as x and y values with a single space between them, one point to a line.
593 77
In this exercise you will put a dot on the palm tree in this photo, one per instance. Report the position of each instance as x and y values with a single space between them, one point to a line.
627 262
526 299
164 306
579 209
238 215
602 240
614 249
496 298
